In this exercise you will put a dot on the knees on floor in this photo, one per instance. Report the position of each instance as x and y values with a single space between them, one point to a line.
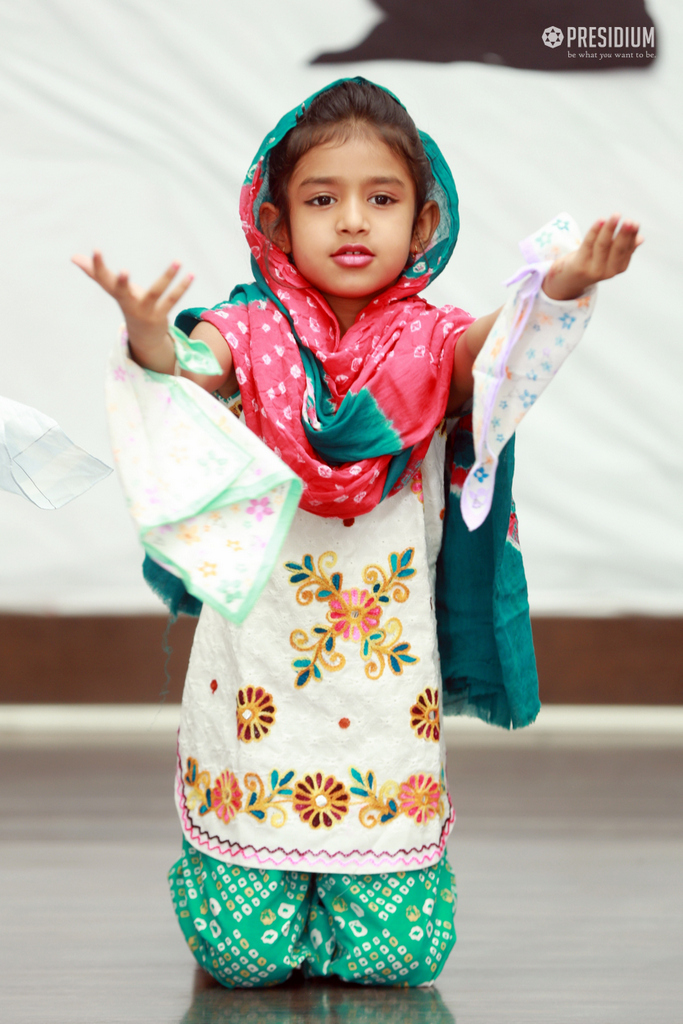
250 928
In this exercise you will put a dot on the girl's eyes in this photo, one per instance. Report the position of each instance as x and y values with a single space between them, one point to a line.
378 200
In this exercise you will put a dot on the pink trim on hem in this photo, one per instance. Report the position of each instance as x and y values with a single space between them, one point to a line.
310 861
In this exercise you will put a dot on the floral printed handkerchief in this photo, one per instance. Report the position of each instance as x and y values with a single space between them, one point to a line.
211 503
527 345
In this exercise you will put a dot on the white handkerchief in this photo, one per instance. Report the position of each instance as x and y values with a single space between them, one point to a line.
525 348
38 460
211 503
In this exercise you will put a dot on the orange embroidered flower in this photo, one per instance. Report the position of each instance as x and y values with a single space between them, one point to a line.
226 796
354 613
419 798
321 800
424 715
255 713
416 486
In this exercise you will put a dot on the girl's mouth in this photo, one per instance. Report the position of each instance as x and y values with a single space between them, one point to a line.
353 256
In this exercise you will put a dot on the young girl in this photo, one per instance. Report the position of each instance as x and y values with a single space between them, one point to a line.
311 779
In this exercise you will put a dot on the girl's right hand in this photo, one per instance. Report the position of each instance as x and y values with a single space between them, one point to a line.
145 312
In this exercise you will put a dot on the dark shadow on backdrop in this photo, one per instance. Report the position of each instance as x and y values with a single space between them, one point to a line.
491 32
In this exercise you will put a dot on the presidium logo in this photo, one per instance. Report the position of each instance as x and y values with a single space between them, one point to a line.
620 40
553 36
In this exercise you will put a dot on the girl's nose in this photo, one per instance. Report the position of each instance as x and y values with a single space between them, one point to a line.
352 218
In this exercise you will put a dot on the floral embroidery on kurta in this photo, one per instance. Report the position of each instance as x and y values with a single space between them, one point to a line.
424 715
417 487
354 615
320 801
255 713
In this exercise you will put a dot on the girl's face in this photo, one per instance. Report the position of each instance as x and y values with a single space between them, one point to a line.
351 214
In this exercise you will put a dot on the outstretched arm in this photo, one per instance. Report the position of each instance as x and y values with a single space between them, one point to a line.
601 255
604 253
146 315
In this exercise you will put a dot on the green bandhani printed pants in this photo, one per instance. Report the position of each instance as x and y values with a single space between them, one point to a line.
250 928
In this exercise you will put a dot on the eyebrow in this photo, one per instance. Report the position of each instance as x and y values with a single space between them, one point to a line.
380 180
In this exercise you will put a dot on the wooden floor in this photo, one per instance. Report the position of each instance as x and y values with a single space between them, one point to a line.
570 907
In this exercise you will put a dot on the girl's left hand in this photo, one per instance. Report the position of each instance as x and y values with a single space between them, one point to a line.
602 254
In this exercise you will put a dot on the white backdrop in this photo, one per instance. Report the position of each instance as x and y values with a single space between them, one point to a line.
129 124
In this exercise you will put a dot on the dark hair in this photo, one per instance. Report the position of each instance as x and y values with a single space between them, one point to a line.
337 114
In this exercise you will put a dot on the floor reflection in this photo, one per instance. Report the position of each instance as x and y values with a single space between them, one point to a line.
321 1002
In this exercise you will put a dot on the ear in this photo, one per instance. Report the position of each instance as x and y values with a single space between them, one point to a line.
425 226
274 231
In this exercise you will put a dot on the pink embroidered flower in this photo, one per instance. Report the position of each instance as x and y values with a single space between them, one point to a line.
416 486
227 796
354 614
259 507
419 798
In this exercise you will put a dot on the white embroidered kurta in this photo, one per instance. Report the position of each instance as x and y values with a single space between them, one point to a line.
310 735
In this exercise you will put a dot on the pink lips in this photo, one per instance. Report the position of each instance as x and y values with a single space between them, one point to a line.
353 256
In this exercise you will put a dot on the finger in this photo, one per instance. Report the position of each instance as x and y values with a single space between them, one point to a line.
603 244
623 247
96 269
154 293
589 238
176 293
85 263
103 275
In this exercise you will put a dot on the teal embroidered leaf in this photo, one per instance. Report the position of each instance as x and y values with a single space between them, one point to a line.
329 643
359 792
407 557
274 777
302 663
308 562
371 780
322 595
375 636
355 774
257 814
286 792
287 777
336 580
384 599
320 629
366 648
298 577
393 561
252 800
316 672
395 665
294 566
376 587
400 647
303 677
391 812
407 658
405 573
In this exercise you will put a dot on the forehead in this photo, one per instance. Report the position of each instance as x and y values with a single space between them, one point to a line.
355 160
